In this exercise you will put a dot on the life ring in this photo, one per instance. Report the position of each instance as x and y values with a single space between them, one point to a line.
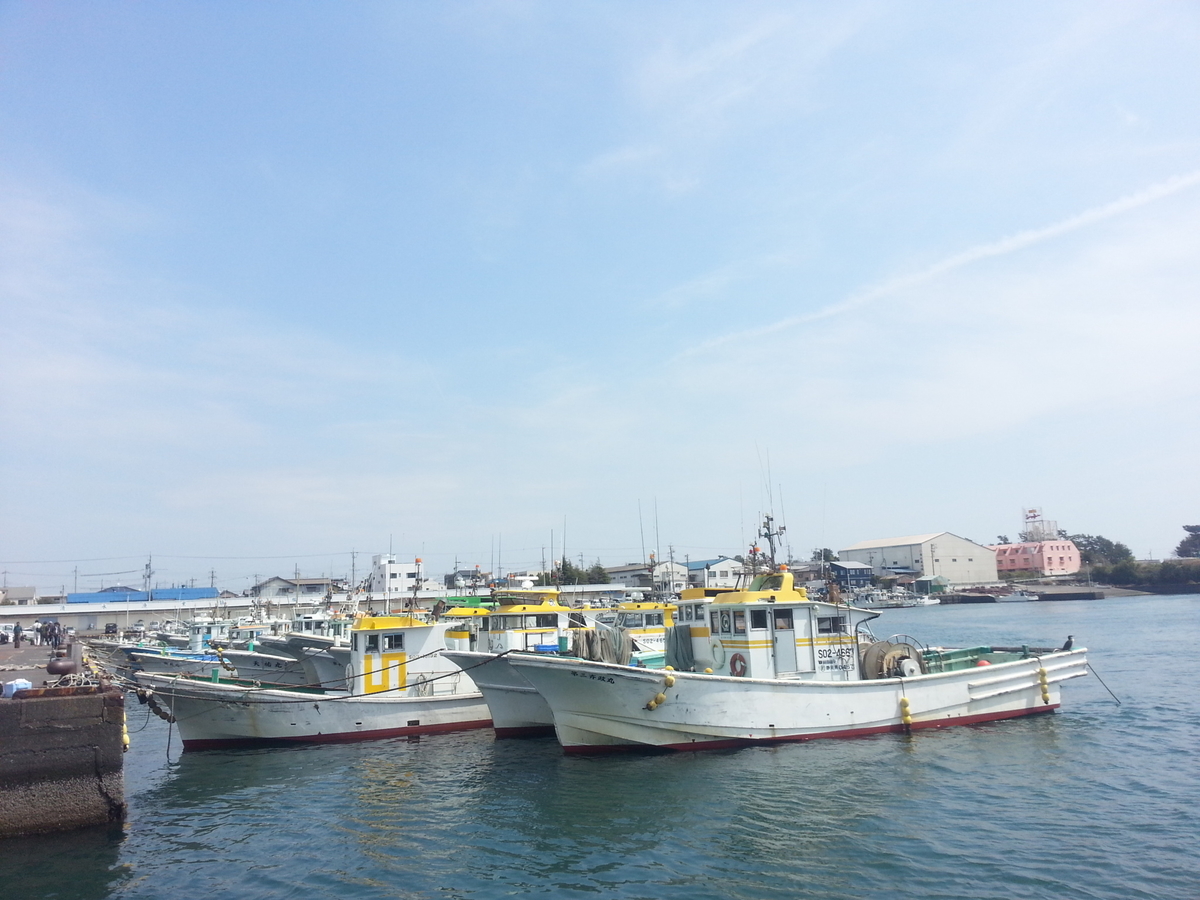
718 652
737 665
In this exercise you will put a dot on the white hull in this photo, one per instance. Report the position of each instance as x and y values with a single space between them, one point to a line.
515 705
162 664
603 706
212 715
1016 597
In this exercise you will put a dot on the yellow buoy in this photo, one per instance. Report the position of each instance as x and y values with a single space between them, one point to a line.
670 681
660 699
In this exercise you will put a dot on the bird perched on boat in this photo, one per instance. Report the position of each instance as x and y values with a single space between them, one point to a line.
1067 645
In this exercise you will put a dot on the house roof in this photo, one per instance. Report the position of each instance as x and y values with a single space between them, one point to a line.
705 563
896 541
851 564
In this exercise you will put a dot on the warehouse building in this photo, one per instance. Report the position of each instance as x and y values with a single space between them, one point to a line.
955 558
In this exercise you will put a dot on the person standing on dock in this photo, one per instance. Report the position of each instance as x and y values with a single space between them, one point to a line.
18 631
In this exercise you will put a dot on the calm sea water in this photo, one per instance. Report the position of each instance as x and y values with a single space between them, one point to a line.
1098 801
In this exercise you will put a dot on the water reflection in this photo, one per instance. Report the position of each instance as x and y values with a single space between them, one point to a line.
77 865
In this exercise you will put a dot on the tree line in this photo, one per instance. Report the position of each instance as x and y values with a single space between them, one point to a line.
1113 562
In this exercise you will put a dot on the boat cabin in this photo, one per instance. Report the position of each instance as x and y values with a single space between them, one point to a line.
543 627
772 630
647 622
336 626
201 634
398 654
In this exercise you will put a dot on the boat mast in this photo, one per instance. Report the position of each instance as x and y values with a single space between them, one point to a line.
770 533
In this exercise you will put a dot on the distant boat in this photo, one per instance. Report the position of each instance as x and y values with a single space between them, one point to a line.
1016 597
882 598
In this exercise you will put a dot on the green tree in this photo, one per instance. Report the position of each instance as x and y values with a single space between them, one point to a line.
1125 572
1002 539
824 554
597 575
1097 550
1190 545
570 573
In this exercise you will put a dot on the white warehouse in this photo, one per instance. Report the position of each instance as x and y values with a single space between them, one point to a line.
955 558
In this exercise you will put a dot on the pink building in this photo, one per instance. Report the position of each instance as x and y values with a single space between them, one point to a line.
1056 557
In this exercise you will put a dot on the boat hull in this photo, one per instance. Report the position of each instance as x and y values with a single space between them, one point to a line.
212 715
517 709
598 706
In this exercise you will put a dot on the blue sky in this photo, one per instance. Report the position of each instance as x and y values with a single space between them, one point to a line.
282 282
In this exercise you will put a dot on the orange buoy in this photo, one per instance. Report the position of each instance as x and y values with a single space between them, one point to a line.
983 662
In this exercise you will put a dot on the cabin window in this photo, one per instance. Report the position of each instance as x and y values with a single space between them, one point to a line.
783 620
629 620
393 641
772 583
716 623
739 622
687 613
354 641
372 643
758 618
831 624
547 620
726 627
484 624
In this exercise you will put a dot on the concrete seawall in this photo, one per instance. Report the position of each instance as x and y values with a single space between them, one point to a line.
61 759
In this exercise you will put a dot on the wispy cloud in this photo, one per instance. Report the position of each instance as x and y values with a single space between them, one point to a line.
1004 246
711 82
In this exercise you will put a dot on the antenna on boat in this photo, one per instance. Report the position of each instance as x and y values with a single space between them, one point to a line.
769 532
641 530
783 527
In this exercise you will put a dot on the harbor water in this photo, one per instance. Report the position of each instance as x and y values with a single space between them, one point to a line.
1100 800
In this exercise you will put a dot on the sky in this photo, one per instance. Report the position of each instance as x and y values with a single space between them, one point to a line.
286 286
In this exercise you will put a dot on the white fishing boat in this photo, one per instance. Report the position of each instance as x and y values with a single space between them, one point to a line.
884 598
399 684
795 670
533 621
527 620
1017 596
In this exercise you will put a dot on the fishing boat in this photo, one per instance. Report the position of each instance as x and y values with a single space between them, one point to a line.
884 598
532 620
1016 596
524 620
398 684
794 669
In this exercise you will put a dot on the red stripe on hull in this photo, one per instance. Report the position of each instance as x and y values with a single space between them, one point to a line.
734 743
348 737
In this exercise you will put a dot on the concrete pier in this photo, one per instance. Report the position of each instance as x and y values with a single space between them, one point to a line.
61 751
